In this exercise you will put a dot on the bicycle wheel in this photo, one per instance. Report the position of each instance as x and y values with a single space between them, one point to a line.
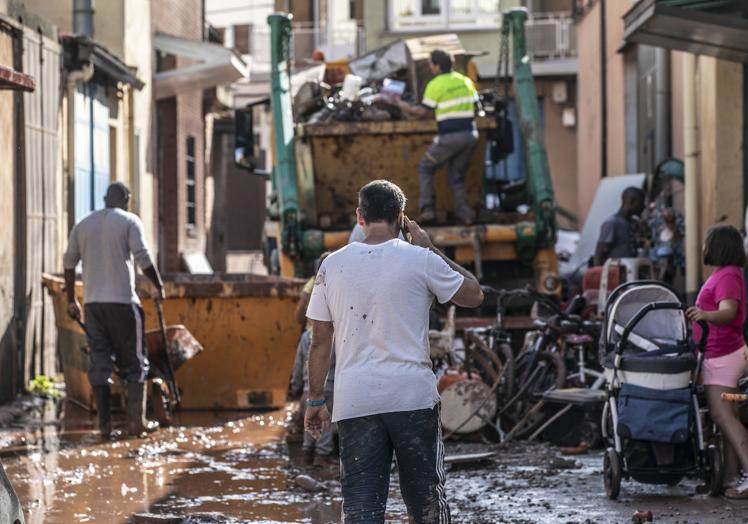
506 357
535 374
495 364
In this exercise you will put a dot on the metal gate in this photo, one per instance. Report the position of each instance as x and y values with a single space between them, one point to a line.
42 177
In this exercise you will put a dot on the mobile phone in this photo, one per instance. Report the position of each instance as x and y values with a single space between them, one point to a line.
406 234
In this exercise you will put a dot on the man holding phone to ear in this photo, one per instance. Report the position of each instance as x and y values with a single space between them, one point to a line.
374 297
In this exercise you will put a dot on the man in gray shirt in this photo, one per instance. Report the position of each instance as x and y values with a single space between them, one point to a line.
106 242
617 234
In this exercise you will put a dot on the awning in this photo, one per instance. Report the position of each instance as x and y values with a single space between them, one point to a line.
695 31
216 65
108 67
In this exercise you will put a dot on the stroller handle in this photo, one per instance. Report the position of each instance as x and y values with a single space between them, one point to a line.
654 306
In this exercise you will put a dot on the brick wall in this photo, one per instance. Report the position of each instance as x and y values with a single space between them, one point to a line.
178 118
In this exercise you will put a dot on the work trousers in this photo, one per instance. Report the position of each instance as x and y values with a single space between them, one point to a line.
366 447
456 150
116 335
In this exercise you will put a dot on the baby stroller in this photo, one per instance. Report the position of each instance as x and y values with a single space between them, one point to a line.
652 418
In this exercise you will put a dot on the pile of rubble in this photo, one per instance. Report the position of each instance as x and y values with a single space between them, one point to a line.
370 88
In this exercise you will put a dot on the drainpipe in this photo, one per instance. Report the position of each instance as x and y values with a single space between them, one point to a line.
130 161
662 105
83 11
73 77
691 161
603 92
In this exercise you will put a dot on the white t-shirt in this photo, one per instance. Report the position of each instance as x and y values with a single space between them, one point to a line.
378 298
357 235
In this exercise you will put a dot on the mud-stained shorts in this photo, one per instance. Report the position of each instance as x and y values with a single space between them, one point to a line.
366 447
116 335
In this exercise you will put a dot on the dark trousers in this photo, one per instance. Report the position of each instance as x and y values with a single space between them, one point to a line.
366 447
456 150
116 335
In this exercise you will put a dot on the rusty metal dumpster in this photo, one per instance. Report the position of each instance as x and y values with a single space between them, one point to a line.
336 160
244 322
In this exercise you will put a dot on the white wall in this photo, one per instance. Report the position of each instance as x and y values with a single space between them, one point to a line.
224 13
137 45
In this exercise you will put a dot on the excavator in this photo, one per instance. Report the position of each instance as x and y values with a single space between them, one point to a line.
319 167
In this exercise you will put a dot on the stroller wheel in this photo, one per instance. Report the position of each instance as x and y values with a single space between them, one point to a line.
714 478
612 473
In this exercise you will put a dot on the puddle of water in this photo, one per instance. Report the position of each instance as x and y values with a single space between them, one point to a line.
215 467
236 467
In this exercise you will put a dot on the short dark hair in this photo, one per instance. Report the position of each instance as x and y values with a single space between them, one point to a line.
631 193
117 194
381 201
442 59
724 246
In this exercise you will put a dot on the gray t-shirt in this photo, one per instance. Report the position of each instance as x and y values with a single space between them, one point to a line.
106 241
619 233
378 298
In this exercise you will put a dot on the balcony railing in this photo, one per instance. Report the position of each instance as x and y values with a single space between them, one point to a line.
551 35
335 44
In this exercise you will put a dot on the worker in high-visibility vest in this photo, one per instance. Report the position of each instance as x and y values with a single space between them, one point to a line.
451 98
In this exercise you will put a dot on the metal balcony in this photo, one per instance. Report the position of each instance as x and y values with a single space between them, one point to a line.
335 43
551 36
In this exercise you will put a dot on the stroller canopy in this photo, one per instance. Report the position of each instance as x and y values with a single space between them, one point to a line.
657 329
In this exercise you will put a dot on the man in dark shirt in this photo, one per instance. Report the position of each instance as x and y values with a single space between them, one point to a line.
617 234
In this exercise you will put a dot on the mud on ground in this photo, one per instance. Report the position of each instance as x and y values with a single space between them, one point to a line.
237 467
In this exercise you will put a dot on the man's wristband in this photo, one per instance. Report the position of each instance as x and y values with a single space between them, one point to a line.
312 403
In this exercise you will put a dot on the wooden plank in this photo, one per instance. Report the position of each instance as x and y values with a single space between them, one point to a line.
12 79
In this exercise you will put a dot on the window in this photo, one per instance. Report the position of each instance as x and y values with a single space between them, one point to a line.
241 38
191 181
428 15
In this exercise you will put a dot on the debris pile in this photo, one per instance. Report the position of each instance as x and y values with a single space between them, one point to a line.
372 85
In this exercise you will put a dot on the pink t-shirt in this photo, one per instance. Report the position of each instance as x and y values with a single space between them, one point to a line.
723 284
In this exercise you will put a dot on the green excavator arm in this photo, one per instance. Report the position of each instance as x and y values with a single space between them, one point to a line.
284 168
539 181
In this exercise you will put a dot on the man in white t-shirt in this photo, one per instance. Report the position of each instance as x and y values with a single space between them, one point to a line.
374 296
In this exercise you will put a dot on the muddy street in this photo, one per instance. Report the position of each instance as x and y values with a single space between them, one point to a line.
238 467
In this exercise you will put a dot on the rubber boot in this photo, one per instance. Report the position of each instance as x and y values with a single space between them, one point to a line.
102 395
465 214
137 424
427 216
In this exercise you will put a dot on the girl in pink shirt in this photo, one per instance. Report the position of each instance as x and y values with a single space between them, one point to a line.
722 303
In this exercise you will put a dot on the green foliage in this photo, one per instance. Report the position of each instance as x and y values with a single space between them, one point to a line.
43 386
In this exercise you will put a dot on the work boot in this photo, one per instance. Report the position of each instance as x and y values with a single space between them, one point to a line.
325 461
465 215
427 216
102 395
308 456
137 424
